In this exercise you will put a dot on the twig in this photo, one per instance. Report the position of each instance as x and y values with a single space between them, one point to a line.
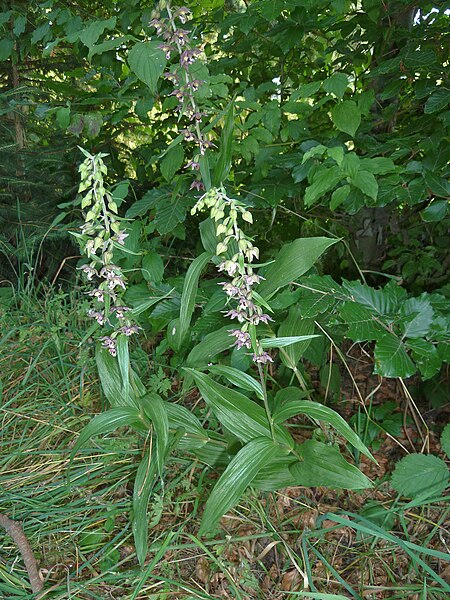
14 529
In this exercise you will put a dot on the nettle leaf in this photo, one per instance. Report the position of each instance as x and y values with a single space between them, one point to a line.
445 440
147 202
362 323
346 116
366 182
153 267
324 465
147 61
170 212
239 474
325 179
172 162
420 475
293 260
420 313
391 358
336 84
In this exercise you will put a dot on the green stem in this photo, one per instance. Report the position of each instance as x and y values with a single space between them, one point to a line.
265 400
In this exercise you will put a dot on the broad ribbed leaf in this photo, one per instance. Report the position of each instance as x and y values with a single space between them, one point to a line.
243 417
223 164
238 378
143 486
213 344
147 61
420 313
111 379
189 294
378 301
239 474
318 411
391 358
155 409
123 360
172 162
323 465
293 260
282 342
295 325
107 422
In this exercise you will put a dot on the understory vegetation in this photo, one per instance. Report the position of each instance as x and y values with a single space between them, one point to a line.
224 299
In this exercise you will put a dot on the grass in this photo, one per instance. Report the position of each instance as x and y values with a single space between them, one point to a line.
298 542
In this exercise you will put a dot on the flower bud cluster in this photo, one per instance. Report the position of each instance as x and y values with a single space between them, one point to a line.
247 311
100 233
178 42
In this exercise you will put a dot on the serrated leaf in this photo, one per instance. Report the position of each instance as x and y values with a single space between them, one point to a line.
445 440
147 61
324 180
243 417
238 378
319 412
149 200
346 116
420 313
293 260
172 162
362 322
94 30
367 183
189 294
437 101
323 465
378 301
391 358
152 267
239 474
420 475
336 84
170 212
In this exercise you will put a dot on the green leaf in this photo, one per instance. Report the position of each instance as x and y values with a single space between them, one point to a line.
445 440
323 465
223 165
318 411
63 117
170 212
189 294
420 313
435 211
111 379
153 267
6 47
391 358
346 116
378 301
420 475
367 183
336 84
172 162
282 342
324 180
149 200
363 325
108 45
437 101
213 344
107 422
155 409
94 30
239 474
143 486
295 325
238 378
147 61
123 360
339 196
243 417
292 261
438 185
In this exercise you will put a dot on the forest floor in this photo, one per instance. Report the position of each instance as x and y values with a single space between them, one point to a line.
298 542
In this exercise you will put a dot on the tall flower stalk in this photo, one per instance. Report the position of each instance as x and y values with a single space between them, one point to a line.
100 234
